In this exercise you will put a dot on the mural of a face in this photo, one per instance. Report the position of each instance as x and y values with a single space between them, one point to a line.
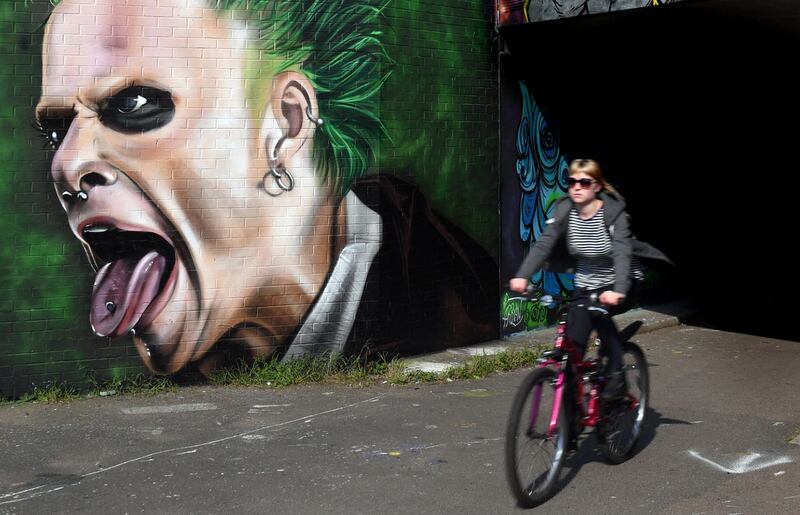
160 158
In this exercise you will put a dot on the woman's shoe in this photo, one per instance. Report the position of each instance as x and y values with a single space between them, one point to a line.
615 386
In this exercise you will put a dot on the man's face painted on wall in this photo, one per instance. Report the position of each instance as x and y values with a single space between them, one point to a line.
158 165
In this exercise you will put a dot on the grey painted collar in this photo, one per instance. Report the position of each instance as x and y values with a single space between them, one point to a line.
330 321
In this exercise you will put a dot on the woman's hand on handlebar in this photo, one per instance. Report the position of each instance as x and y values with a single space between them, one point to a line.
611 298
518 284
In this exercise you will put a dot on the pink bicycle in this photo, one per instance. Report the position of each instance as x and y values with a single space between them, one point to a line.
560 398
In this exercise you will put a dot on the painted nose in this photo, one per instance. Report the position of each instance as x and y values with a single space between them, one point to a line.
77 166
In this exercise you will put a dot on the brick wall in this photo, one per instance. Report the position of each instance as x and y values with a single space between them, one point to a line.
236 271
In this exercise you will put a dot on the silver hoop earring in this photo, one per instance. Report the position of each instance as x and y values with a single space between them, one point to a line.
280 175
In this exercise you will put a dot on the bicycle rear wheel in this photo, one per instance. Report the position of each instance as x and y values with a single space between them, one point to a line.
624 418
534 457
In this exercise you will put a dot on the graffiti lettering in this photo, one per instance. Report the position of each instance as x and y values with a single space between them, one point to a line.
511 312
519 314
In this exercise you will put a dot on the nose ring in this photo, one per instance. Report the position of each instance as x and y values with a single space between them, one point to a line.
82 196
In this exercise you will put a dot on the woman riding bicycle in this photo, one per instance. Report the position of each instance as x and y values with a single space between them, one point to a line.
589 233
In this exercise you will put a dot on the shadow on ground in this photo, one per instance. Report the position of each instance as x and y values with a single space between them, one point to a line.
588 450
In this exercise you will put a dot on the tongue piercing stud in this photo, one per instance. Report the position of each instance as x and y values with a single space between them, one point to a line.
111 307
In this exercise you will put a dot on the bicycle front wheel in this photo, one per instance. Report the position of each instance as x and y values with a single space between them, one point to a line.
624 418
534 453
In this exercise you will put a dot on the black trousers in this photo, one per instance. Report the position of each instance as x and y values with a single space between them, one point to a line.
581 321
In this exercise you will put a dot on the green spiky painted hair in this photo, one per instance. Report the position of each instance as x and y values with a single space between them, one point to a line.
337 45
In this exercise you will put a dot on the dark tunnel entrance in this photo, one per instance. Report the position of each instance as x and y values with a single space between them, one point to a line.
692 109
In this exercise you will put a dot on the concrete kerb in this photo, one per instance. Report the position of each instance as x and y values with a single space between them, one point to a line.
654 317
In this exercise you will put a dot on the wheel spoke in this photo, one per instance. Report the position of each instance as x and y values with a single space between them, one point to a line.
534 458
624 419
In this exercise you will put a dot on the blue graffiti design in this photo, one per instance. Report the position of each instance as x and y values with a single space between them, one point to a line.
542 172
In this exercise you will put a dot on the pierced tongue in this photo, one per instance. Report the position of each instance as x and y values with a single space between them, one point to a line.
123 290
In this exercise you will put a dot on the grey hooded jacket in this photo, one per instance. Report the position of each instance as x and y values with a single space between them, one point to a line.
550 250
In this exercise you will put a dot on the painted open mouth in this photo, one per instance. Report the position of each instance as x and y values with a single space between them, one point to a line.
135 278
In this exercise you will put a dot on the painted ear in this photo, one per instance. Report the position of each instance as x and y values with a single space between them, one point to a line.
294 105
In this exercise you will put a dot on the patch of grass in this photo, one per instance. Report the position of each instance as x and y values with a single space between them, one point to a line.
332 369
63 392
50 393
140 384
354 370
476 367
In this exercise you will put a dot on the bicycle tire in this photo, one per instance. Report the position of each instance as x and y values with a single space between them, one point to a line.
620 434
529 488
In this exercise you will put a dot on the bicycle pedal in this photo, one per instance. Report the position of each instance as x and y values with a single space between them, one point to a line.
554 354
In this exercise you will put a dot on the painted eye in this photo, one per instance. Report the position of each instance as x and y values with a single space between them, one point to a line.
137 109
53 130
131 104
55 139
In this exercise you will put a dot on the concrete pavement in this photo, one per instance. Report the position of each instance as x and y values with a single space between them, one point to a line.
717 439
654 318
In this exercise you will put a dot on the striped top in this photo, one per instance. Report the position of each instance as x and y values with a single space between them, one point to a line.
590 243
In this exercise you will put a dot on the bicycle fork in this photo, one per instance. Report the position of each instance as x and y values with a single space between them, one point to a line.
557 402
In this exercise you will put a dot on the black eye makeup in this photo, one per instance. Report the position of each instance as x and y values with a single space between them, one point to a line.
53 129
137 109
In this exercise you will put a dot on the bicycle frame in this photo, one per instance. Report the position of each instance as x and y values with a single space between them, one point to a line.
589 415
538 443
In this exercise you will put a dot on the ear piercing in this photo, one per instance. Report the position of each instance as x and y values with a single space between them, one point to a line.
280 175
301 89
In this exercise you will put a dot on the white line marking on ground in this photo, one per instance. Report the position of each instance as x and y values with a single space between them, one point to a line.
744 464
32 492
174 408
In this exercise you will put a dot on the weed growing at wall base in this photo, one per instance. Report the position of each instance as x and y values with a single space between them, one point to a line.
334 368
273 373
476 367
353 370
140 384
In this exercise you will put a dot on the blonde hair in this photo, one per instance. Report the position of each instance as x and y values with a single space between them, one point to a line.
591 168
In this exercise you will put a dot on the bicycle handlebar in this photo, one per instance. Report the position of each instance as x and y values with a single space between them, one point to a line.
549 300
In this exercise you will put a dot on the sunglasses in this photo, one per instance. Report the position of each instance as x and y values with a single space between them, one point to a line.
585 183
